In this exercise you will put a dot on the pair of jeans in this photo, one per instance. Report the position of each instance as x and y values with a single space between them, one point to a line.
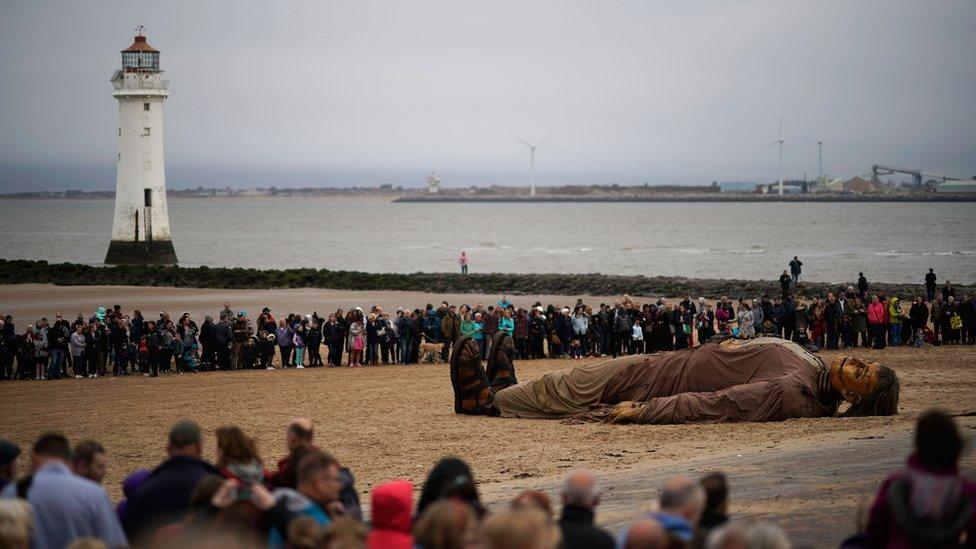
878 335
895 334
164 357
406 346
285 355
299 356
335 352
121 360
54 368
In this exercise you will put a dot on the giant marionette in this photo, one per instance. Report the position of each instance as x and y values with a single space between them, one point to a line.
763 379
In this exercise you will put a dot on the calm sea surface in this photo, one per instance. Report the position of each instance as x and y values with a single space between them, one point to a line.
894 242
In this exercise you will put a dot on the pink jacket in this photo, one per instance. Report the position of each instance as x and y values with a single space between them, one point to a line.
877 313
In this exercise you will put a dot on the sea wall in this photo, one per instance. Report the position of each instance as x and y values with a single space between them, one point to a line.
73 274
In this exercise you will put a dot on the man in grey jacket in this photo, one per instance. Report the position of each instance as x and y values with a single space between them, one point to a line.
223 335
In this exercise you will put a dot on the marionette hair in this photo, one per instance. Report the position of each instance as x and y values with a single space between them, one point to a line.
883 401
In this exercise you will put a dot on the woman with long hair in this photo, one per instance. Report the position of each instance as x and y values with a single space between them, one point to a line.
238 458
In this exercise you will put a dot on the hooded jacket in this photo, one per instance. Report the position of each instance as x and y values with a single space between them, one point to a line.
392 505
921 507
876 313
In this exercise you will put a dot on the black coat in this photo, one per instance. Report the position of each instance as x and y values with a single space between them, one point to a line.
579 531
164 498
919 314
207 333
313 338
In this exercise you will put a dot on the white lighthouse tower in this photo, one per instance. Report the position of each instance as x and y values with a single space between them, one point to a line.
140 231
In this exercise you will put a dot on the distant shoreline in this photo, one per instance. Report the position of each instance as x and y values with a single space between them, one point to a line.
506 195
74 274
726 198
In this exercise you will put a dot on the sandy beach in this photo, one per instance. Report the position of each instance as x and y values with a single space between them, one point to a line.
29 302
396 421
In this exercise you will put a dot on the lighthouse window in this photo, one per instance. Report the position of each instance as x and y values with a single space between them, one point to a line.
145 132
145 107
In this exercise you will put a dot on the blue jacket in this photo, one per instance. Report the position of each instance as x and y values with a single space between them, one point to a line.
675 526
506 325
299 504
67 507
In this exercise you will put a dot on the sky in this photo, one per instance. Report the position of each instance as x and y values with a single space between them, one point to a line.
307 93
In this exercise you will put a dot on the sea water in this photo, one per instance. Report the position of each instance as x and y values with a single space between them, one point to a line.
889 242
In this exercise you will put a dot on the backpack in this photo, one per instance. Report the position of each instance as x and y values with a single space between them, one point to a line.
621 322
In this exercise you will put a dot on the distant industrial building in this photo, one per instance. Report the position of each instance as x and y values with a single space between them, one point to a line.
788 188
857 185
738 186
968 186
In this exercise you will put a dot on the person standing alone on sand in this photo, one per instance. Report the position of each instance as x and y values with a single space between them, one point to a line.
463 261
795 268
930 284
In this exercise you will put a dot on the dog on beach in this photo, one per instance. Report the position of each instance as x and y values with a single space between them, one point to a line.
430 353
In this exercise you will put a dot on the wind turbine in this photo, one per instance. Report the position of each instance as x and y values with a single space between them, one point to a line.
782 143
532 160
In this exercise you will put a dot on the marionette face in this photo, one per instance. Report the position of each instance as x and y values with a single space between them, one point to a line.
853 378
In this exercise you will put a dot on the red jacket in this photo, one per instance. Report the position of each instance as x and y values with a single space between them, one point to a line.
392 505
877 313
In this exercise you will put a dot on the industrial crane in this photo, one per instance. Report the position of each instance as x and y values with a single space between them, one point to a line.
878 170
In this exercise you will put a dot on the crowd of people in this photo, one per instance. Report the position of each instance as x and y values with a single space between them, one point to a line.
112 342
309 500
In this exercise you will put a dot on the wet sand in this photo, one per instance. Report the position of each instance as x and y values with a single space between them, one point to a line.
29 302
396 421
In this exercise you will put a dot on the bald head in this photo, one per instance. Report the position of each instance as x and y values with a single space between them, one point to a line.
731 535
581 490
683 496
299 433
646 534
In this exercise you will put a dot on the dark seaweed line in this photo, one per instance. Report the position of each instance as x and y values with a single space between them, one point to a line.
73 274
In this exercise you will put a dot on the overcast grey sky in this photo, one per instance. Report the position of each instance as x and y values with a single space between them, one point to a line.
318 93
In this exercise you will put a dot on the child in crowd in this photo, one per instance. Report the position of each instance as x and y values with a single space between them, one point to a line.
637 338
576 349
40 356
358 344
298 340
266 346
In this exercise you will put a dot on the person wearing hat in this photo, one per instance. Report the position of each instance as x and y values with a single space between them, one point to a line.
8 462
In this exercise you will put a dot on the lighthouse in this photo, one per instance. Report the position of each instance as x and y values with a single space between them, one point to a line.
140 229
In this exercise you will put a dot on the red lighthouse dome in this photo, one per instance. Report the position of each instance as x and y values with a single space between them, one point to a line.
140 56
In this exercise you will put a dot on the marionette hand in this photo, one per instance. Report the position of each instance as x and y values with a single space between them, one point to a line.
626 412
